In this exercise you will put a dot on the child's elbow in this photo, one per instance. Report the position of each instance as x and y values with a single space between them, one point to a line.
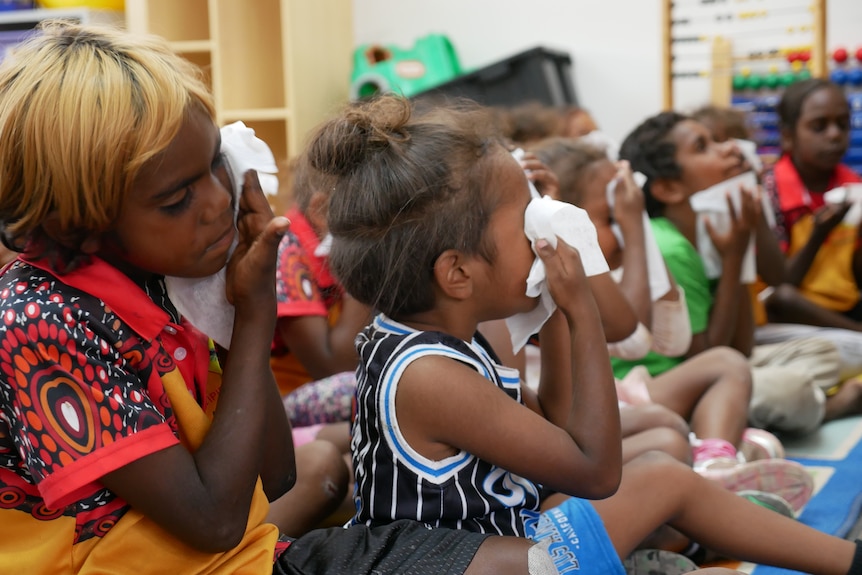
275 489
608 484
218 536
601 484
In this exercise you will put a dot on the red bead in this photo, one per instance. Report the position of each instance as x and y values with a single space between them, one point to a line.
839 55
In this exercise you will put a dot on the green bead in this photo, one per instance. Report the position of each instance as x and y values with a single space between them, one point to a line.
787 78
771 80
740 82
803 74
755 81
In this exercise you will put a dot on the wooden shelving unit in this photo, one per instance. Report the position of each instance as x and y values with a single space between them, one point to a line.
280 66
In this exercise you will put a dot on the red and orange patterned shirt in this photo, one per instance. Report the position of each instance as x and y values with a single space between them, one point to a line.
89 364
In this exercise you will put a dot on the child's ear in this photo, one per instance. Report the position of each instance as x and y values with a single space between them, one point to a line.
786 140
453 274
668 192
316 213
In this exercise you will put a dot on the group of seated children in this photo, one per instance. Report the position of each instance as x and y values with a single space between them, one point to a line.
130 442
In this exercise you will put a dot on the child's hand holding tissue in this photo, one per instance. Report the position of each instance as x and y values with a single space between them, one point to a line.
208 302
727 217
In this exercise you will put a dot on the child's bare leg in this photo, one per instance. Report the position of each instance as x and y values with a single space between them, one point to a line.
787 305
715 518
637 418
337 433
847 402
322 477
712 391
503 555
663 439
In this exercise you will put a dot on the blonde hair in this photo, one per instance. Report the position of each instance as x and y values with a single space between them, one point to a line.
82 108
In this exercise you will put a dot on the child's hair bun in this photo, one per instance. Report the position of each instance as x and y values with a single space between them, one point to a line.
344 143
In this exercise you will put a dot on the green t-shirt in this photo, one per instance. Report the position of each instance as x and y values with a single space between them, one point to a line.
686 267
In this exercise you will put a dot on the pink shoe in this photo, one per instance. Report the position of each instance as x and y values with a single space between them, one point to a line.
760 444
788 479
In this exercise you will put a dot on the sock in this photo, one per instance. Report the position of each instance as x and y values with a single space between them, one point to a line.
694 552
856 566
539 561
712 448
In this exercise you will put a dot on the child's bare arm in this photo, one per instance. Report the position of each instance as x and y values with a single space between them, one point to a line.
825 220
574 446
619 319
628 212
770 258
203 498
743 337
322 349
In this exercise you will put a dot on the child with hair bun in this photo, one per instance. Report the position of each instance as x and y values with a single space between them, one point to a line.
124 444
427 216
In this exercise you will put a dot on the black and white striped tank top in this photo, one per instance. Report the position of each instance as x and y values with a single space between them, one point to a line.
393 481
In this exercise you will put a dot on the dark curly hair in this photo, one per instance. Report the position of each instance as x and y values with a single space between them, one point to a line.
789 108
651 152
406 187
569 159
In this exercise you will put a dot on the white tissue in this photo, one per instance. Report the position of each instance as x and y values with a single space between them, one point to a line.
324 247
711 204
203 301
847 193
518 154
548 219
659 282
749 151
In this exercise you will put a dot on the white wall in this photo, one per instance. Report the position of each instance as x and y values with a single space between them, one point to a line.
615 44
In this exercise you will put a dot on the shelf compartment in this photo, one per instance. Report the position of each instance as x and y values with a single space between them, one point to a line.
178 20
251 63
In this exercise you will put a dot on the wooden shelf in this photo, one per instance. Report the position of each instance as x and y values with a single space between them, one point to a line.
280 66
192 46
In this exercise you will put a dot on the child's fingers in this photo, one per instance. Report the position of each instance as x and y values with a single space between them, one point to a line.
561 262
731 210
252 198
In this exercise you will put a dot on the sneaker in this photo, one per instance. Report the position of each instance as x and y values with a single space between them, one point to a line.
787 479
760 444
770 501
657 562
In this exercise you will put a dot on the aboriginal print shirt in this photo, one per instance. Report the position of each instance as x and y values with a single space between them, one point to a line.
93 371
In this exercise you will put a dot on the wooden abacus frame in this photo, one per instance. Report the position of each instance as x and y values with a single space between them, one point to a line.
722 60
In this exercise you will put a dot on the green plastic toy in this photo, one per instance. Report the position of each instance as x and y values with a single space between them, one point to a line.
379 69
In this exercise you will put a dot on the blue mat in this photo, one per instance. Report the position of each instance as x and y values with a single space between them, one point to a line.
834 456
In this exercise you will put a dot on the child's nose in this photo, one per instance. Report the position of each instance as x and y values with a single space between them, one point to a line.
834 131
729 148
218 200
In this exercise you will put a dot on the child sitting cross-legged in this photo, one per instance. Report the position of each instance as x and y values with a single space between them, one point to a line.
679 159
711 389
428 222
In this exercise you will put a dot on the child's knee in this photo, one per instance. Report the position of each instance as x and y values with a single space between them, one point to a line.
658 416
671 442
322 463
732 364
658 466
782 298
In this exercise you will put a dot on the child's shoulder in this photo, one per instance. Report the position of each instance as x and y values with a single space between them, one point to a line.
673 244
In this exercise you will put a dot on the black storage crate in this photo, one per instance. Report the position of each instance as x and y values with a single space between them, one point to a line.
536 75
